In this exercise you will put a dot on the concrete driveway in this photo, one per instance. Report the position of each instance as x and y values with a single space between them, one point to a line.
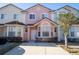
37 49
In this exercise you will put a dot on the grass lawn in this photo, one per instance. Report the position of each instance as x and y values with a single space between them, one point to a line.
73 51
8 46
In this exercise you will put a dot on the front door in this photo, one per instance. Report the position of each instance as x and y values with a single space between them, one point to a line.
33 35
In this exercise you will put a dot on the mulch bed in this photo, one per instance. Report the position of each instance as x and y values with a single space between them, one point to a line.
73 51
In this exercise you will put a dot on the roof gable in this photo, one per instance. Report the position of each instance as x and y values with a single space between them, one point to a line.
66 7
11 5
38 5
47 19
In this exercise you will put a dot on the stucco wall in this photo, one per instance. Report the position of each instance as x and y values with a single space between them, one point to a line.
38 11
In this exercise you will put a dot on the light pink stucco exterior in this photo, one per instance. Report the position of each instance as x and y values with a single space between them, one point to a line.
38 11
32 25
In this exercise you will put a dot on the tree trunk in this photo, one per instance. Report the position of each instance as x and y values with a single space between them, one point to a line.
66 44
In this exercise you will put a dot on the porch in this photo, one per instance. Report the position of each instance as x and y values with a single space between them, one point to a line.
45 30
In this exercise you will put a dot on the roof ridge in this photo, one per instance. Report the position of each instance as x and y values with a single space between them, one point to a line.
36 5
40 5
68 6
12 5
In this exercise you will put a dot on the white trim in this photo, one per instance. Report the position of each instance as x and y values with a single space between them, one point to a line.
46 14
21 32
41 32
58 30
16 30
46 20
1 15
17 16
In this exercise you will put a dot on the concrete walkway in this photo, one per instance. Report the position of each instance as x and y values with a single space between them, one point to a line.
37 49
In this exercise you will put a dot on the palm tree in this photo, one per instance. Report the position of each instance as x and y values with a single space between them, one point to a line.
65 22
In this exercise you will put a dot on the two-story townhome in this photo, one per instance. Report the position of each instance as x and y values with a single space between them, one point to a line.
37 23
11 21
73 32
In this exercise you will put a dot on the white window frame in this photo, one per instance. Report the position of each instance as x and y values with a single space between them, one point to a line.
11 29
3 14
41 31
17 16
29 16
46 14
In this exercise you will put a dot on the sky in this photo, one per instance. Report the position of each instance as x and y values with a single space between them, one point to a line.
52 6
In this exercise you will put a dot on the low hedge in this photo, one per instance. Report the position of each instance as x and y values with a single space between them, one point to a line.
72 39
14 39
2 40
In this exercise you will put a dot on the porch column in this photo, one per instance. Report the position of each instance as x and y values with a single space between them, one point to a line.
28 33
7 31
50 33
58 30
22 31
16 29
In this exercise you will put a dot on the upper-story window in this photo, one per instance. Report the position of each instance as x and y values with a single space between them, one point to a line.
31 16
2 16
15 16
54 16
44 15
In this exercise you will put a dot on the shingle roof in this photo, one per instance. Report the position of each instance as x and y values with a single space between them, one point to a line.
1 24
67 6
15 22
12 5
39 5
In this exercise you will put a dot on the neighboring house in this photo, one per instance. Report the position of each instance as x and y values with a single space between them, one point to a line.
74 31
12 21
37 23
67 9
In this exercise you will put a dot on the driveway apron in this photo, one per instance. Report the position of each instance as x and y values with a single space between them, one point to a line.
37 49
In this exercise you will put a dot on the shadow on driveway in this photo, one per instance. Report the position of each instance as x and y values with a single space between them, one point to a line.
46 44
16 51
